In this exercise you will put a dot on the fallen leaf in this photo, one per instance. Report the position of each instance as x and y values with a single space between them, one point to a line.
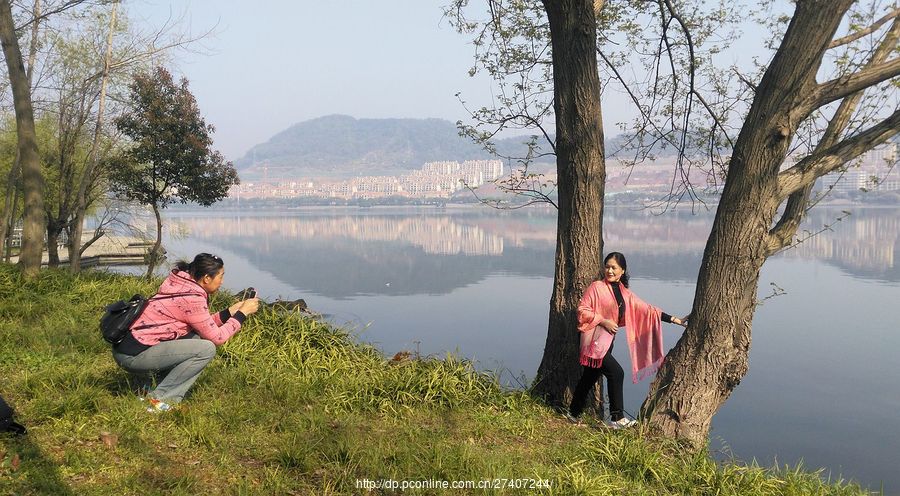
172 445
194 462
401 355
109 439
14 463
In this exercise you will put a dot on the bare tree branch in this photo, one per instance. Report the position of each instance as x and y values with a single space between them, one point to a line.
744 79
869 30
782 234
846 85
62 8
820 163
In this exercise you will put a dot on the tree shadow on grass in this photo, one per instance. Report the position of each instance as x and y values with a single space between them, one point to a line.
25 469
124 383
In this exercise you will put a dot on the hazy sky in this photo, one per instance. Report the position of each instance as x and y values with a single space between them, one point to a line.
273 63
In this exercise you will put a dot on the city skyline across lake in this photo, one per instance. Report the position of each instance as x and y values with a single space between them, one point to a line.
477 282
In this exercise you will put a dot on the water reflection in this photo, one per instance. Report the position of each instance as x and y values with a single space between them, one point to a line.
478 282
340 255
863 245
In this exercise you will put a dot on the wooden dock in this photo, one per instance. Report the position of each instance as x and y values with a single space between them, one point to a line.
108 250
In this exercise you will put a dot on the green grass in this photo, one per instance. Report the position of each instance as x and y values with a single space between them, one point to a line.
294 406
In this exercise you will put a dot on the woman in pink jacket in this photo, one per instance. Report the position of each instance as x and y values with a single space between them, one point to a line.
606 306
176 336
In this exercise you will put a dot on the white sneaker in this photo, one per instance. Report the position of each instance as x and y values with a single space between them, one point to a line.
622 423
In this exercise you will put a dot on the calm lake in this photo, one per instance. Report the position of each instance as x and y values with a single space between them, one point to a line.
822 387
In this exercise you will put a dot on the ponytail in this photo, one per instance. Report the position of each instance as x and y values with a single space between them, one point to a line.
203 264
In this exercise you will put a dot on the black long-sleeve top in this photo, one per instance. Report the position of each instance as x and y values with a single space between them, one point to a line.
621 301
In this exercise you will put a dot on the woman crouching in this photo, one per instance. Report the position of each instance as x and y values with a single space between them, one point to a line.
176 336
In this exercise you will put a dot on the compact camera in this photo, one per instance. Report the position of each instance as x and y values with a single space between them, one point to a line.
249 293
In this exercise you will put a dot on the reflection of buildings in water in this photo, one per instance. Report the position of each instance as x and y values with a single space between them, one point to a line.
467 235
436 235
860 241
867 240
656 234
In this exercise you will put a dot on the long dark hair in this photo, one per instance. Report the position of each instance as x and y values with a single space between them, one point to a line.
204 264
620 259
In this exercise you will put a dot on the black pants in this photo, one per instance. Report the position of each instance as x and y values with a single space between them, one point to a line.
615 379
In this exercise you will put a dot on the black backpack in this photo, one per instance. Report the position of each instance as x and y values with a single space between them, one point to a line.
119 316
7 424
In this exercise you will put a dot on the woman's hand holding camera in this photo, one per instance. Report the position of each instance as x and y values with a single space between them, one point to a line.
248 306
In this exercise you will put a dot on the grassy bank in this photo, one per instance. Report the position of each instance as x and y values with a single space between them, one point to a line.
292 406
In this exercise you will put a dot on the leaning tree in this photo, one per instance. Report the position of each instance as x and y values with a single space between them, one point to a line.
27 154
767 192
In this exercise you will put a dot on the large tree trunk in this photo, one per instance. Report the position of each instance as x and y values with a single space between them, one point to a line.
711 358
581 175
32 180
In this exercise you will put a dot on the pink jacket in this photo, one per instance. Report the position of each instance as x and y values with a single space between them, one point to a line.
642 326
173 318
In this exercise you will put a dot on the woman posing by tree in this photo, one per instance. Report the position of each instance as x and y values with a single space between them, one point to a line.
606 306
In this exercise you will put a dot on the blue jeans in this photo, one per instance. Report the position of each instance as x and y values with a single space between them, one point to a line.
180 361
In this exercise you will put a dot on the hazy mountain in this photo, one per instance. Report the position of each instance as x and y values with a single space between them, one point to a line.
343 146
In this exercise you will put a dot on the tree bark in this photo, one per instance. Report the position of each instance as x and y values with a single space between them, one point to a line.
12 215
53 245
711 358
155 256
32 180
7 219
581 176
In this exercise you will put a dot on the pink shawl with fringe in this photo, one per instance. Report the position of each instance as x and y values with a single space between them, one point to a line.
642 327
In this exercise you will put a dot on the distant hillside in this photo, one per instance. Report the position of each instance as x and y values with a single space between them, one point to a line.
340 145
343 146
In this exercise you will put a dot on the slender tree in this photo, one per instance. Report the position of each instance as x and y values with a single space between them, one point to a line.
29 161
171 159
12 179
75 247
